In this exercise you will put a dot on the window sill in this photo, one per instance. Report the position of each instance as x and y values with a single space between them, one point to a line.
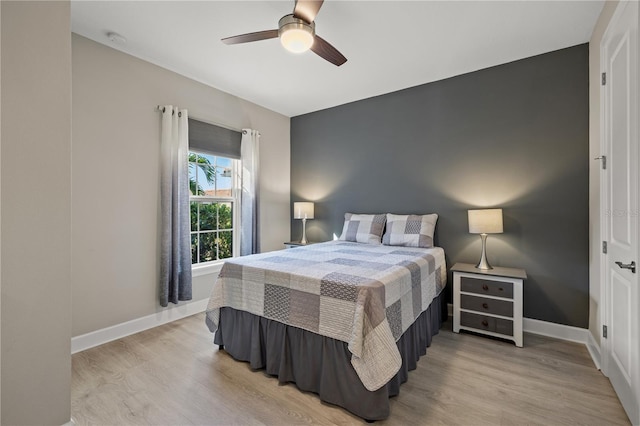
207 268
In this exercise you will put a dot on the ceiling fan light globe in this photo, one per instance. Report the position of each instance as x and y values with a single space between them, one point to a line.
296 40
296 35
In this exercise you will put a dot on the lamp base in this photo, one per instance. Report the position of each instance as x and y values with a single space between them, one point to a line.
304 231
484 263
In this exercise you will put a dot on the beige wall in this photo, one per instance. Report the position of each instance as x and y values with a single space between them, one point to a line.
595 241
36 212
0 211
116 134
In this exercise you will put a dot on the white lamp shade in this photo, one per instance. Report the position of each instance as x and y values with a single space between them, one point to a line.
303 210
486 221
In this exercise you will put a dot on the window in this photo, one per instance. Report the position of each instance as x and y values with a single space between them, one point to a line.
214 201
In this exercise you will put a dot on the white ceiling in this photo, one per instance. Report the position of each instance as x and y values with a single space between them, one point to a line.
390 45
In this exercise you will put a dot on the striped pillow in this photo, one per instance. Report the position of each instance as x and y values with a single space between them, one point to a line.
363 228
410 230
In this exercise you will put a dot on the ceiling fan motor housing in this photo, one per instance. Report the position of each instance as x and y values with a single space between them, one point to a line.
296 34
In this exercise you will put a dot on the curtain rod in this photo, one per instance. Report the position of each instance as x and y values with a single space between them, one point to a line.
161 108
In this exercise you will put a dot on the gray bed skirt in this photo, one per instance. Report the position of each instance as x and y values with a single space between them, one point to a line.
320 364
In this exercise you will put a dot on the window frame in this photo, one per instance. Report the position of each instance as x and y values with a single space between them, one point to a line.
212 266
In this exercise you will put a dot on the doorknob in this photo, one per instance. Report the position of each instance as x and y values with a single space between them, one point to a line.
631 266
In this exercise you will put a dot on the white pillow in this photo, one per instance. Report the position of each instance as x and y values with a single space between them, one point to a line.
410 230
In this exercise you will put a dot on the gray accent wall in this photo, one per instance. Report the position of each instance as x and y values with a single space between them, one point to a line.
514 136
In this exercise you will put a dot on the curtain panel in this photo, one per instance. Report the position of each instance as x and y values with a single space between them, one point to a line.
175 251
249 150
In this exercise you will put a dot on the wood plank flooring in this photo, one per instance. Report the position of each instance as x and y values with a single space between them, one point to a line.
175 375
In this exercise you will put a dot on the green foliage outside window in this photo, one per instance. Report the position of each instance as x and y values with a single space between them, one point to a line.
218 219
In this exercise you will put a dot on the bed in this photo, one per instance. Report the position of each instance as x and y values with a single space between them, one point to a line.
344 320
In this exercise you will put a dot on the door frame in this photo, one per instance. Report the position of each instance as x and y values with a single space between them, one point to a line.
605 307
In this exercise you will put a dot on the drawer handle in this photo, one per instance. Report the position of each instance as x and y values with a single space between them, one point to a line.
485 323
485 305
485 287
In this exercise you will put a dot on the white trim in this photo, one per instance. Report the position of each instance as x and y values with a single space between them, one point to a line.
603 201
551 329
99 337
105 335
70 423
594 350
564 332
559 331
199 269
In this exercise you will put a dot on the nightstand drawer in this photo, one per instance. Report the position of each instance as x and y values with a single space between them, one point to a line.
483 304
486 323
488 287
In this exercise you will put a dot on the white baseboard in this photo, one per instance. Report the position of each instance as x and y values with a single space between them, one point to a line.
99 337
551 329
559 331
594 350
565 332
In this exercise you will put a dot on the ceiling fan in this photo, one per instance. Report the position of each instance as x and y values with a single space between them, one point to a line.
297 33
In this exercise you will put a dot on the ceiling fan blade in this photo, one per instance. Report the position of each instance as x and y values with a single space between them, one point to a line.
307 9
246 38
322 48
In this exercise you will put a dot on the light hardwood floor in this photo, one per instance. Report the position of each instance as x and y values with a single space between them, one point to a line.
175 375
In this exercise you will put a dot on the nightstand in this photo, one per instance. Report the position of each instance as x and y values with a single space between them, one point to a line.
292 244
488 301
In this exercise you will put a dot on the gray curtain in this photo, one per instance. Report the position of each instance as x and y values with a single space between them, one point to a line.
175 252
249 149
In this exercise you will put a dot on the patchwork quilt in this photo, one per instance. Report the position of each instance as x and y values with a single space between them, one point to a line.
362 294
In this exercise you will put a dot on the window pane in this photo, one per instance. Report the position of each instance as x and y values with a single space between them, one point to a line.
208 158
223 181
193 183
194 248
206 176
225 216
208 219
225 244
211 221
194 215
223 161
207 246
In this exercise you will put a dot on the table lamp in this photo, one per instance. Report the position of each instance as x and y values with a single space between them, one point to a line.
483 222
304 211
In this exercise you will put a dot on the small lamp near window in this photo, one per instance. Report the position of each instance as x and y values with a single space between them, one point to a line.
304 211
483 222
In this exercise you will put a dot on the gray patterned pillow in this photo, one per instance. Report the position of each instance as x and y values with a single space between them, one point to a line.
410 230
363 228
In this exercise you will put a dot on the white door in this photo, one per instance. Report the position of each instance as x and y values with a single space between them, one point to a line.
620 359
